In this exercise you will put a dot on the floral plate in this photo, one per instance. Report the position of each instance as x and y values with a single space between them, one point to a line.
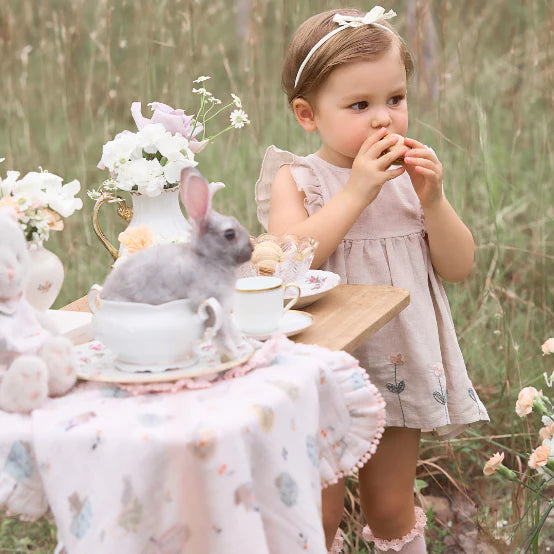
314 285
98 363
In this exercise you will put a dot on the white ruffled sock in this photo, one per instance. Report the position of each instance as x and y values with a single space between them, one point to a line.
412 543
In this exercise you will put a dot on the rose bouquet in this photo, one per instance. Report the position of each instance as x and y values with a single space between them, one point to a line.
152 159
40 200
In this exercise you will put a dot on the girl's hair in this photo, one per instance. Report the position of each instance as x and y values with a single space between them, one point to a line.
354 43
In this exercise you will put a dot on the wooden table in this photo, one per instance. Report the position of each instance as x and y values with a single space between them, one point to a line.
343 319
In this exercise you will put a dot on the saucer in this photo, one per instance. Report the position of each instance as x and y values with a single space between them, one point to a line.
291 323
313 285
97 363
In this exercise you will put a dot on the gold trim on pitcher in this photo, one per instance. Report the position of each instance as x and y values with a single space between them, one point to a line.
124 211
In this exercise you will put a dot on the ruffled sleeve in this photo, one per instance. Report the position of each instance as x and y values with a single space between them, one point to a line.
302 172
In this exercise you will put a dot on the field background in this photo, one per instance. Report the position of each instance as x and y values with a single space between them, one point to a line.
481 97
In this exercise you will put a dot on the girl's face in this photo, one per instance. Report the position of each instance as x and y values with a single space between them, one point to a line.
356 100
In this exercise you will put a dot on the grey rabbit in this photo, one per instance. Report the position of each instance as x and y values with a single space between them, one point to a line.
204 267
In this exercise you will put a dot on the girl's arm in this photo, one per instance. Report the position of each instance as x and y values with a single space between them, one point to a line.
450 241
330 224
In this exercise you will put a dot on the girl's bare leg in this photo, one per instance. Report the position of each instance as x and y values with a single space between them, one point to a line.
332 507
386 484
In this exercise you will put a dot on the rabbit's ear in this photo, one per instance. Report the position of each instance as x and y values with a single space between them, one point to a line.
195 192
186 172
215 186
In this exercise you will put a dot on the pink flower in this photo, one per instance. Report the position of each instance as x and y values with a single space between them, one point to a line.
174 121
547 432
524 404
548 346
396 359
539 456
494 463
438 370
136 238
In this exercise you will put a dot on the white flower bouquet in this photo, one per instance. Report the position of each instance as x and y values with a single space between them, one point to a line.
40 200
151 159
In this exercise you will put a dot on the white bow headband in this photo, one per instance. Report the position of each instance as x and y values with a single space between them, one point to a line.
370 18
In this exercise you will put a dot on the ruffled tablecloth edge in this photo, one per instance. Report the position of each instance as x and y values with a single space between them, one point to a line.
359 426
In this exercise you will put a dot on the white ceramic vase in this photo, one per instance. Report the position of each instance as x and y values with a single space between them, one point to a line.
45 278
162 214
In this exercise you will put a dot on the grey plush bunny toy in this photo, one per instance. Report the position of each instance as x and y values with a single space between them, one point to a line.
204 267
34 361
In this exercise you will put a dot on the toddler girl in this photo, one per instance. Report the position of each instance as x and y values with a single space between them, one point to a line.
345 75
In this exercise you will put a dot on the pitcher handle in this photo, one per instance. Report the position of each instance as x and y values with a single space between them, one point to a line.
93 295
123 211
211 304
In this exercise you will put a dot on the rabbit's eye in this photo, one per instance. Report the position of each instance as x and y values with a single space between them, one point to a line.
229 234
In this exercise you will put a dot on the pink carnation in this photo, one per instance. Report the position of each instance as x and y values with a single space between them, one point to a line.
548 346
547 432
539 456
524 404
494 463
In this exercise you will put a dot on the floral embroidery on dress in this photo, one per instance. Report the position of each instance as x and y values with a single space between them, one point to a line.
441 396
473 397
398 386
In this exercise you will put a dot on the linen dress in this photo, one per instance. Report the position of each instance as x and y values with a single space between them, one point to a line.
414 360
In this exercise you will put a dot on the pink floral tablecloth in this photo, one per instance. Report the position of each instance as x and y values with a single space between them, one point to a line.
234 468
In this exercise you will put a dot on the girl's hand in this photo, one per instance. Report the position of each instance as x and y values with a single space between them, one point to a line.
370 167
425 171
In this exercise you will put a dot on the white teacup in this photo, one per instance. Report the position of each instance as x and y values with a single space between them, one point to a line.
258 303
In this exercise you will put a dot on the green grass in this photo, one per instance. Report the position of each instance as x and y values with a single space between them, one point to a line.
18 537
70 70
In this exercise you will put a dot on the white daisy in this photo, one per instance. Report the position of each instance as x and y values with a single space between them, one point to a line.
236 100
239 118
202 92
201 79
